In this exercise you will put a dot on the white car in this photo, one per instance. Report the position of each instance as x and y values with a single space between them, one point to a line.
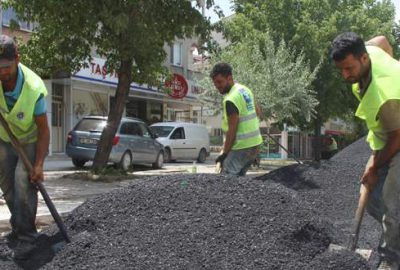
183 141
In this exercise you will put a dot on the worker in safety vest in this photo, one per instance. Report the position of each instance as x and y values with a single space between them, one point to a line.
23 105
240 122
375 76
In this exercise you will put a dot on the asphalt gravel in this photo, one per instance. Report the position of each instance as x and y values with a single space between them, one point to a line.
283 220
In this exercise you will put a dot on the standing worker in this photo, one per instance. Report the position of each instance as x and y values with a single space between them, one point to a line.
375 76
23 106
240 122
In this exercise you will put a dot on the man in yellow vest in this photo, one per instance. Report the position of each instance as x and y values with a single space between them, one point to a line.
240 122
23 105
375 76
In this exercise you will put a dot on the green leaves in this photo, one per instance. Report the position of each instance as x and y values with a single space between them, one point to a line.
280 81
308 27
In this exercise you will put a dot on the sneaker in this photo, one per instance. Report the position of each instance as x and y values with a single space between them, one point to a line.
388 265
23 250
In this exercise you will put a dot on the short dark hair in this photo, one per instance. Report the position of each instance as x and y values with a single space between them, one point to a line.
223 69
345 44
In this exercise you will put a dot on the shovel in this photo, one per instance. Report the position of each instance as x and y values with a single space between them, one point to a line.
352 245
39 186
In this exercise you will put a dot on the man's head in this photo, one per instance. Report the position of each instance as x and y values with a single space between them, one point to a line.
9 59
350 56
221 74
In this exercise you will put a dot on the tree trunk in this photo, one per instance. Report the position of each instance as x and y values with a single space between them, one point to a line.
114 116
317 138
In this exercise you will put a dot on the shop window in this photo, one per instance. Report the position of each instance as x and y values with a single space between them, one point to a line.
179 134
176 54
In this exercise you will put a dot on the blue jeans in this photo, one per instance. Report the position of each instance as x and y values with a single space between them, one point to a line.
19 194
384 206
238 162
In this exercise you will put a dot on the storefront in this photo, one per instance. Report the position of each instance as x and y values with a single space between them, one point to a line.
91 92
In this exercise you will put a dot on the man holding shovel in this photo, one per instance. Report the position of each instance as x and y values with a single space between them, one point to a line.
240 122
23 106
375 76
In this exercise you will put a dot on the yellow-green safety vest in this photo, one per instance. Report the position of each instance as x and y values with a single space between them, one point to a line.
21 117
384 86
333 146
248 131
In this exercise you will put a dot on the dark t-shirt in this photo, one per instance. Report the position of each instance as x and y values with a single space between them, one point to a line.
231 108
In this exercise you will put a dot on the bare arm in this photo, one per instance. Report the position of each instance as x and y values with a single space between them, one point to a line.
259 112
381 42
233 122
42 147
380 158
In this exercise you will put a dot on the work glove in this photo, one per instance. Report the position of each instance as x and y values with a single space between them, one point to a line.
221 158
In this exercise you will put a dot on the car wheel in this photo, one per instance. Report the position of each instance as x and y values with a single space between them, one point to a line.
159 161
126 161
202 156
79 163
167 155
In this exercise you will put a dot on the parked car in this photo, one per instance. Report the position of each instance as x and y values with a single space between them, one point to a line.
133 143
185 141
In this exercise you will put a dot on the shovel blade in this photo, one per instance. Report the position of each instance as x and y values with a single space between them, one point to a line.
365 253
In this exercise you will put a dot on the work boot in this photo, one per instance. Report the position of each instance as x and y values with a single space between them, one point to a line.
23 250
386 264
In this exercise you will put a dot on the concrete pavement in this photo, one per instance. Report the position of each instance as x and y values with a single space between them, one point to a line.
68 191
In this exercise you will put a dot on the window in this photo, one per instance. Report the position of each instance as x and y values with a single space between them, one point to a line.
176 54
179 134
10 15
145 131
126 129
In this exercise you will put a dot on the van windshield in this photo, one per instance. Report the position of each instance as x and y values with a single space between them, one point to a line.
161 131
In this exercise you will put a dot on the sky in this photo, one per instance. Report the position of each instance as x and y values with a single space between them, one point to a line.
225 6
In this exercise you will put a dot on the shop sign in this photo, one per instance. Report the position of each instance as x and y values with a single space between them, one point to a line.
178 85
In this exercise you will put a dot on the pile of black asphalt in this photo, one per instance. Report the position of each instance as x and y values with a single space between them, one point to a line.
283 220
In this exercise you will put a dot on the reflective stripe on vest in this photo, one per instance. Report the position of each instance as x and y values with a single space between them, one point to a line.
248 130
384 86
247 117
21 117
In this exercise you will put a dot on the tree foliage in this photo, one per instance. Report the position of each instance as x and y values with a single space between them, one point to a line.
130 34
280 81
308 27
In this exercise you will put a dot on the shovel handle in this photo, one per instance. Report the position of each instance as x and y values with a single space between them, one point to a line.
362 202
21 153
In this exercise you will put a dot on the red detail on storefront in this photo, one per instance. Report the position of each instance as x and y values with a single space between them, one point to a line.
178 85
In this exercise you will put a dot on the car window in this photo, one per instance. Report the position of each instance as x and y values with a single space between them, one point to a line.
126 129
178 134
91 124
145 131
136 130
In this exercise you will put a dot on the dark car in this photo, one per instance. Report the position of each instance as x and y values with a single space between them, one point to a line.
133 143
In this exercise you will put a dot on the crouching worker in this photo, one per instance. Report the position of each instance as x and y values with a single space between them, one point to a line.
240 122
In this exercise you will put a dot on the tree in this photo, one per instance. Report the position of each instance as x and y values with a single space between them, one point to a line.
130 34
280 81
309 26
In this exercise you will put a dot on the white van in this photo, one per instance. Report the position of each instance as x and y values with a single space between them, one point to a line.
185 141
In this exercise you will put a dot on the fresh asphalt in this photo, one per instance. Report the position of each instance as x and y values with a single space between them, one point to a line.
69 192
